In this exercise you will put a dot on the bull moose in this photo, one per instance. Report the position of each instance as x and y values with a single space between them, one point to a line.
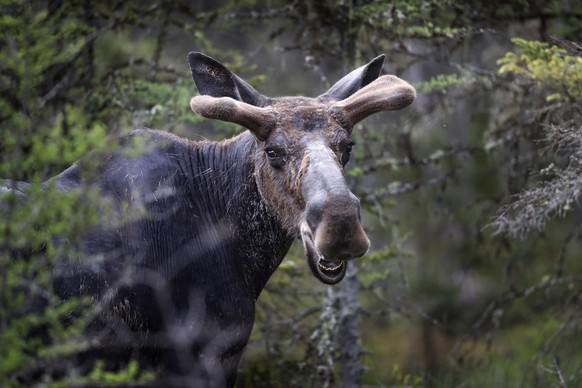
209 222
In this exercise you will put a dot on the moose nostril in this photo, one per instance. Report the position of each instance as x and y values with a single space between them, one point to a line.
363 247
314 214
347 247
358 246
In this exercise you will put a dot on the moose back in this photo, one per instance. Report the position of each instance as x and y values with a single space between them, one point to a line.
198 228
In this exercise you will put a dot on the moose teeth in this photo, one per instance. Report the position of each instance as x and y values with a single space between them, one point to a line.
328 266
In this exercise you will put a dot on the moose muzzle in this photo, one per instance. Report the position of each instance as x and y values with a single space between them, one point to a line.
331 231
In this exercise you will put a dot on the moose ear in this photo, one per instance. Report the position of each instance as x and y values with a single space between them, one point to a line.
355 80
215 80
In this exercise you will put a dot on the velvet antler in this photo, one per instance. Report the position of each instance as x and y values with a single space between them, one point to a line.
386 93
260 121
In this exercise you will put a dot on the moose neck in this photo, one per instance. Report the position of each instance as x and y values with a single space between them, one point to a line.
257 242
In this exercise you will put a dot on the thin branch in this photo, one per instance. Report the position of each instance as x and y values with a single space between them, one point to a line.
396 188
514 295
432 159
89 39
559 373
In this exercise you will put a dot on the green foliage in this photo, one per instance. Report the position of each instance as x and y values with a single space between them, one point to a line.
374 271
62 94
403 379
443 83
22 353
559 78
414 19
101 377
559 74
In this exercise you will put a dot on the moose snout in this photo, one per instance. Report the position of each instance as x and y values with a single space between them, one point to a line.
335 222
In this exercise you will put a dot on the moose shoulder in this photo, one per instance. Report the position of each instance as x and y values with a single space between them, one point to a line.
209 222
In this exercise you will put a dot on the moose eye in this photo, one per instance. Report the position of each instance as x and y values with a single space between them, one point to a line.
271 153
346 153
277 156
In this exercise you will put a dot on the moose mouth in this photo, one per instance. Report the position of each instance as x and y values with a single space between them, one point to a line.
326 270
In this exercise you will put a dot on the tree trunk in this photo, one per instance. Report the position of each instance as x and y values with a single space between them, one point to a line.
348 337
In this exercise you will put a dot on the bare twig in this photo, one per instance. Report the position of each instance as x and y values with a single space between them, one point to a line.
558 371
396 188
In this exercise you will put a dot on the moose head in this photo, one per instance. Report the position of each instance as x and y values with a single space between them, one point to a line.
303 145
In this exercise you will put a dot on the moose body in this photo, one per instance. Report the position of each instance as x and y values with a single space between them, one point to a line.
196 229
185 276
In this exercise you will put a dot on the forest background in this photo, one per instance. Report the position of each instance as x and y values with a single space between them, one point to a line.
470 196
